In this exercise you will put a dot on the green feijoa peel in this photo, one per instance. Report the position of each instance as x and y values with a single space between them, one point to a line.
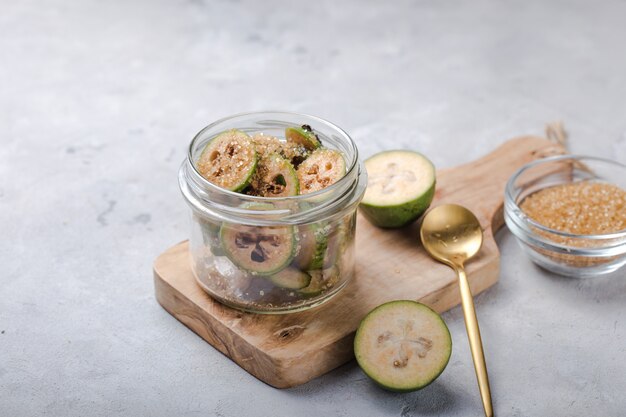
229 160
322 168
400 187
303 136
312 244
321 280
260 250
290 278
274 177
210 230
402 345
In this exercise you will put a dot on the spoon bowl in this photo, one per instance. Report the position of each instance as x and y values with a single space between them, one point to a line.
451 234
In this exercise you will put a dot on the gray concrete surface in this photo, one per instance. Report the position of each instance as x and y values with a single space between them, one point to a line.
98 101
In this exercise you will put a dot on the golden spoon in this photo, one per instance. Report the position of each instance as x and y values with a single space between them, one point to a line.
452 235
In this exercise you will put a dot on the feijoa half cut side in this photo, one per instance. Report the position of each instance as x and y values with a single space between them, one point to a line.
275 177
304 136
229 160
402 345
400 187
322 168
260 250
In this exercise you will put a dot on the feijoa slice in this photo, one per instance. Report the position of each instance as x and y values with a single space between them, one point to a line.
229 160
260 250
321 169
303 136
210 234
400 187
266 145
402 345
290 278
275 177
321 280
312 244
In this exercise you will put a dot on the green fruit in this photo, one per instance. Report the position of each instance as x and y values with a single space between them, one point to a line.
402 345
291 278
321 280
312 244
260 250
303 136
210 234
274 177
229 160
322 168
400 187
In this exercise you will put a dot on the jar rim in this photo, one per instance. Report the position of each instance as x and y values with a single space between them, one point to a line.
206 196
515 211
260 199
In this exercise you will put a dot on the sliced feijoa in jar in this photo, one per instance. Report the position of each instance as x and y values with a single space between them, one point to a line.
266 145
295 153
312 244
229 160
260 250
303 136
275 177
321 169
321 280
402 345
400 187
290 278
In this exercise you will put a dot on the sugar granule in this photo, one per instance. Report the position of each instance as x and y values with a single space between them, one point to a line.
585 208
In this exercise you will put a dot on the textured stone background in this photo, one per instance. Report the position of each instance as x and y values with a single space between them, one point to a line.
98 101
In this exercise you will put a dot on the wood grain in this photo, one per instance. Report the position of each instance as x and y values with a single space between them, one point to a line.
288 350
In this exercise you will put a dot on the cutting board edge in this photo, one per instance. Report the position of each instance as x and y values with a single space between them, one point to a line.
201 323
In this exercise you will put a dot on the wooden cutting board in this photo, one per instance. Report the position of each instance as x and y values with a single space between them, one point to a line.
288 350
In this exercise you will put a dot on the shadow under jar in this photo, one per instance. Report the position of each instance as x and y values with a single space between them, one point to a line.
310 237
576 255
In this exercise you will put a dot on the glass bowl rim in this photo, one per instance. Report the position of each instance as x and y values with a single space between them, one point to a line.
527 221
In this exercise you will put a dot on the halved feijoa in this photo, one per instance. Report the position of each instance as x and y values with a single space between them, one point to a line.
304 136
321 169
228 160
290 278
260 250
312 244
400 187
402 345
274 177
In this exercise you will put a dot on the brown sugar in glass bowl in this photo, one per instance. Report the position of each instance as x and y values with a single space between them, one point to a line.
569 214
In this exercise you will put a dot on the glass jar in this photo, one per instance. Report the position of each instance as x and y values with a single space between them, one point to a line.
310 236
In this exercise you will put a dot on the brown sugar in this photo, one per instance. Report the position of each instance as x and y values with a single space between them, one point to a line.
582 208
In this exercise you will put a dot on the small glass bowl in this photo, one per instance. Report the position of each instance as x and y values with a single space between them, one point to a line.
564 253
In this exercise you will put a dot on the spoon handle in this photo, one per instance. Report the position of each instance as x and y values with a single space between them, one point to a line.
476 344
